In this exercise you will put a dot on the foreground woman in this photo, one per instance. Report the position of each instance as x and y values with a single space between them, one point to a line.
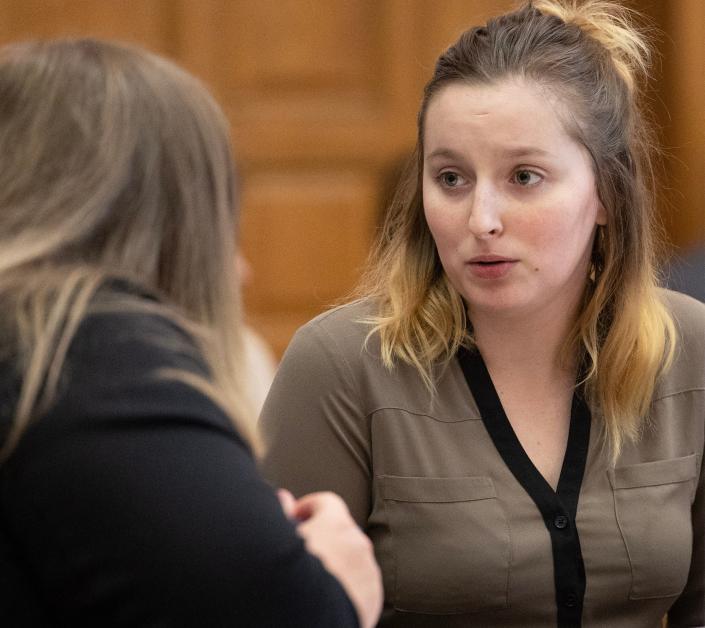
128 492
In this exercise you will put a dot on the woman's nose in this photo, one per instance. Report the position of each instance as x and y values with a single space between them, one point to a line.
485 216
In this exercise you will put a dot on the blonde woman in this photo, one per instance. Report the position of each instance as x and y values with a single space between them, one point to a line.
514 411
128 491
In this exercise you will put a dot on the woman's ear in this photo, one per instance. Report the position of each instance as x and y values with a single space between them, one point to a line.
601 217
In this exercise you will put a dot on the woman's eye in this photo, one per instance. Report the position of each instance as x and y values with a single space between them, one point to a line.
450 179
526 178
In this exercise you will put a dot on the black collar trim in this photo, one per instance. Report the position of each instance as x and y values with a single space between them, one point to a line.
559 507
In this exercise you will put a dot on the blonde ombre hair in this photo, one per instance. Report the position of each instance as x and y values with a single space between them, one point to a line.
593 59
115 164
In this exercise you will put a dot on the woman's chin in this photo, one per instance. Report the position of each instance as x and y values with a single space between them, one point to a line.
500 303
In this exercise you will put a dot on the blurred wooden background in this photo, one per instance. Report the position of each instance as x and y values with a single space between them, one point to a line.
322 96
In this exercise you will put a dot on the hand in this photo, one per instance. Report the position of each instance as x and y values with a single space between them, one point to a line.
330 534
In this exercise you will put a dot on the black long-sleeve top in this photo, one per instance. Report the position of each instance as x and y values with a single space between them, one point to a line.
134 502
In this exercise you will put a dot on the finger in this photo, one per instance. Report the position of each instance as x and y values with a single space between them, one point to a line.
287 501
317 503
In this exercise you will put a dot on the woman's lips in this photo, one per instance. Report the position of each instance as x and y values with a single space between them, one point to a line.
490 266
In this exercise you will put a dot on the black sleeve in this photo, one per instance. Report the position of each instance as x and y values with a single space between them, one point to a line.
158 519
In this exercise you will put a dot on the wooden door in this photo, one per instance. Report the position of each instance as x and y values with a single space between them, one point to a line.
322 96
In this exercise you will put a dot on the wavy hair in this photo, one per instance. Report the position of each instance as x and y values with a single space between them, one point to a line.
115 163
594 59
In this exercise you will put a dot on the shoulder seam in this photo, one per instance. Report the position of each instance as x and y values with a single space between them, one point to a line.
680 392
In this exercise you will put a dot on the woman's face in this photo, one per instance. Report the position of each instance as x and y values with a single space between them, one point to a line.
509 198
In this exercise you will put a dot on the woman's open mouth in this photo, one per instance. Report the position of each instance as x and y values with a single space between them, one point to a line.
490 266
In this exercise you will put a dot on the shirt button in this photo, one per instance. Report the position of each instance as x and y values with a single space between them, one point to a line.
561 521
571 600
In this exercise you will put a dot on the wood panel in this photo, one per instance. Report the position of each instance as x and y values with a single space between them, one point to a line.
685 99
322 96
147 22
298 79
444 21
306 233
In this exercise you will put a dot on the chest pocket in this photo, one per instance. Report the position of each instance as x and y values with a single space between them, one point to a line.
653 504
450 544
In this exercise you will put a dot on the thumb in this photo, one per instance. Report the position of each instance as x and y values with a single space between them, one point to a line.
287 501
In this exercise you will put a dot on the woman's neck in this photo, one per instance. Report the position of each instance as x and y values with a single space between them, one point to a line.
529 345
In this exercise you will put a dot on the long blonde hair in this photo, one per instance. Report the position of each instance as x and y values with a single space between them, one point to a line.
594 59
115 163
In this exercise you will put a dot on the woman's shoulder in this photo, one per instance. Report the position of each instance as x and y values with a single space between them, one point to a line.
128 328
688 369
347 326
680 302
120 361
336 347
688 314
348 314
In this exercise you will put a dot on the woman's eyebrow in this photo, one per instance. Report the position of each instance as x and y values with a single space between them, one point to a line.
513 152
444 152
525 151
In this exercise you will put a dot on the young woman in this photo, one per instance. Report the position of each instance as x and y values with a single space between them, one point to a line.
514 411
128 492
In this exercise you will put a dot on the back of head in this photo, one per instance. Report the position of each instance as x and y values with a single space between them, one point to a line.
113 163
113 157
